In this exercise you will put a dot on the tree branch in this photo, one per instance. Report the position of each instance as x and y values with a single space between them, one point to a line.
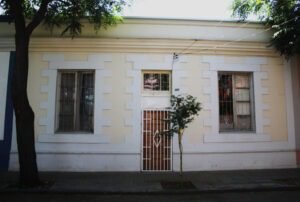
18 14
38 17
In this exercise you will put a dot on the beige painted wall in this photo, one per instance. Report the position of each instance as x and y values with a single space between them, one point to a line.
119 81
118 98
276 99
35 81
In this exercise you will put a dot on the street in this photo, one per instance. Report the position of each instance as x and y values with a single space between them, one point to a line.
265 196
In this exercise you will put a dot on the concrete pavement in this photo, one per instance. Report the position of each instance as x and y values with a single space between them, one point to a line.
159 182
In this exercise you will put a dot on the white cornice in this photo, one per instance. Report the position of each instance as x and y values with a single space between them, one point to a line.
162 29
192 22
143 45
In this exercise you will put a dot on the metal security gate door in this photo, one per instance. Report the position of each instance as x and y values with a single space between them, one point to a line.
157 150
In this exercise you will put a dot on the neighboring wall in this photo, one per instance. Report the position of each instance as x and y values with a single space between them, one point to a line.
5 109
4 68
295 63
149 45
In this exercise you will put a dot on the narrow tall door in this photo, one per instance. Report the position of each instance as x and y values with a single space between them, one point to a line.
157 149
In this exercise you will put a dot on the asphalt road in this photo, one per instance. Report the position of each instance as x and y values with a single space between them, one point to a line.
269 196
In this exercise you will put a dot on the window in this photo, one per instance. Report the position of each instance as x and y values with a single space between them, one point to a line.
236 102
156 81
75 101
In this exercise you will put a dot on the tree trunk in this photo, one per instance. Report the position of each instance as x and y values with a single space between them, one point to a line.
24 114
180 133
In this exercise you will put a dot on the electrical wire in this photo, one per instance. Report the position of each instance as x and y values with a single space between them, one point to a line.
217 25
196 40
232 41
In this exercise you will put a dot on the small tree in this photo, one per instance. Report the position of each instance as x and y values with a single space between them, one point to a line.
183 111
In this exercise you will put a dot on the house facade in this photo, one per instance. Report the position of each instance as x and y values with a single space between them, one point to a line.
100 100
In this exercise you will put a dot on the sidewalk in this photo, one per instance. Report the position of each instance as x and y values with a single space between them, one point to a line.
160 183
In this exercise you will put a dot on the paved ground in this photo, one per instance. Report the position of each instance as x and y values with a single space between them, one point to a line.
264 196
159 183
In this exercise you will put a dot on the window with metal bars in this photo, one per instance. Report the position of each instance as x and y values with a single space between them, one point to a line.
75 101
156 81
236 103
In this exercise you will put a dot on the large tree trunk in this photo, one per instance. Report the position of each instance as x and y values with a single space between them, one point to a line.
29 175
24 114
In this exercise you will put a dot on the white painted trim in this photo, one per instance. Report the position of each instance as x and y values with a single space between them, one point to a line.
130 161
234 161
240 137
179 74
289 103
143 62
215 102
95 62
73 138
257 102
233 146
235 67
83 162
4 58
189 148
252 64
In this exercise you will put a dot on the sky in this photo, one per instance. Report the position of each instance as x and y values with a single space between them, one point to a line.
181 9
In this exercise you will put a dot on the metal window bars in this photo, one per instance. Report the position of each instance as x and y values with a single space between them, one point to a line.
235 102
75 101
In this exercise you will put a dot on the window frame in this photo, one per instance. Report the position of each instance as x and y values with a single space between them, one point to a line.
234 103
76 127
157 92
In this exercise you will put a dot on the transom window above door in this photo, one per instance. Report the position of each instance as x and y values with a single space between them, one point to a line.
156 81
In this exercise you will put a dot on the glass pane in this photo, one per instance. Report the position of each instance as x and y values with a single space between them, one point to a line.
66 123
242 95
151 82
243 108
86 108
242 81
66 102
226 122
243 123
156 83
225 102
165 83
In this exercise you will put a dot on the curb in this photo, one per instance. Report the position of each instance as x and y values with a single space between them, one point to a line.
223 189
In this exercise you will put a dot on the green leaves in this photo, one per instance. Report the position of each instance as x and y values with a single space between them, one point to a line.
101 13
286 25
183 111
281 15
243 8
70 13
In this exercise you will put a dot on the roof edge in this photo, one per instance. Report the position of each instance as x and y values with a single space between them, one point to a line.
191 19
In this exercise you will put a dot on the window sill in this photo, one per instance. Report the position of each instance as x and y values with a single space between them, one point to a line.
73 138
236 137
159 94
